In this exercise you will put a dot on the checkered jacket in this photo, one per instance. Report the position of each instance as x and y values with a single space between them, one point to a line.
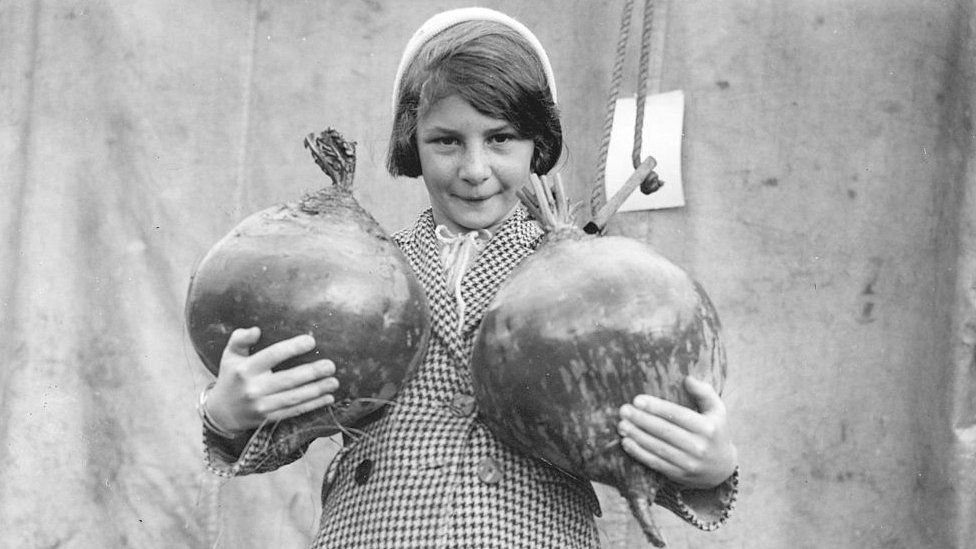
427 473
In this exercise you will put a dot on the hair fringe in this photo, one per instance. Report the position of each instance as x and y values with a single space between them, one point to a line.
491 67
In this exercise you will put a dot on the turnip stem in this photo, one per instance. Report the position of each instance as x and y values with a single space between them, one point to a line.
562 201
335 156
644 171
545 203
530 203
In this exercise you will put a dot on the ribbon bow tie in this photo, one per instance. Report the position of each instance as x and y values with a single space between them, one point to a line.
458 252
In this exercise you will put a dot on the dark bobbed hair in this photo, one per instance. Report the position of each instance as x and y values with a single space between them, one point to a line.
496 71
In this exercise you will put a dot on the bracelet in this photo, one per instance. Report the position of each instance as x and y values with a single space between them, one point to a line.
208 421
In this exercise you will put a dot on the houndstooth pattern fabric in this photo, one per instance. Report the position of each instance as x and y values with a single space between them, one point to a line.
427 473
438 478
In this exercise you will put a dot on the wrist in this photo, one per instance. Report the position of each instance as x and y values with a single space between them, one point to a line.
714 474
722 473
208 420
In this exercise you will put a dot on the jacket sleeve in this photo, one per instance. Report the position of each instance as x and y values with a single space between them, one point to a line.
259 451
704 509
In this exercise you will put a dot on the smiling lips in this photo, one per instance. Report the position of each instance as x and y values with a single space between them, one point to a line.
474 198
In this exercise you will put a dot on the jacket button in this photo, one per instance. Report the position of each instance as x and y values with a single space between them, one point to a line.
363 471
490 471
462 405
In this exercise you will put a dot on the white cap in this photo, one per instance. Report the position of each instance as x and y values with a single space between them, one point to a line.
449 18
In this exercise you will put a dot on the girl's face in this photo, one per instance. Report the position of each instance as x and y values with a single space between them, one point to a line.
472 165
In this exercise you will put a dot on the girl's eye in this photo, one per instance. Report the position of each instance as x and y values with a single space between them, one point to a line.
502 138
446 141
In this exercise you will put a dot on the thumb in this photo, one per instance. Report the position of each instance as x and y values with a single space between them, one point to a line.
705 396
241 340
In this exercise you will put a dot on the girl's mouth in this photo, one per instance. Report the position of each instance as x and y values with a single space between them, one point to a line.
474 199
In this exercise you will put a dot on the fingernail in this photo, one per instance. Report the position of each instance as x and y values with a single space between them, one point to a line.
626 411
642 400
627 444
307 342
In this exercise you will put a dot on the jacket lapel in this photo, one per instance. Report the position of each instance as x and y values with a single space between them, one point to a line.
517 238
423 252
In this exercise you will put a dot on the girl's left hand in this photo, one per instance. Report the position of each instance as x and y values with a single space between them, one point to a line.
692 448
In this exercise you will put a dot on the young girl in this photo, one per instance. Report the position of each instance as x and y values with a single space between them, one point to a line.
475 117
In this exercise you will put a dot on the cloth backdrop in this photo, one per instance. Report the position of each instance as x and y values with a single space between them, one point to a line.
829 164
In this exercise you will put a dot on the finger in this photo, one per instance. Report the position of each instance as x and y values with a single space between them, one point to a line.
683 417
273 355
241 340
299 395
649 459
299 409
300 375
705 396
649 430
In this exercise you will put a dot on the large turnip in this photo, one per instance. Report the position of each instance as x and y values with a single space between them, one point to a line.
322 267
581 327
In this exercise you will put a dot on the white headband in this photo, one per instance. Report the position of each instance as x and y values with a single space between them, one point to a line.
449 18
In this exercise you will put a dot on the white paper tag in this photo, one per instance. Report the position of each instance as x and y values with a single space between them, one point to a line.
662 132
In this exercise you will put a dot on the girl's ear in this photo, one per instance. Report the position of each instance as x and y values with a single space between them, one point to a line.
413 156
537 161
541 159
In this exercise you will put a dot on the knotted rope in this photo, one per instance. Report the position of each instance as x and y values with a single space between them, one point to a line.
598 197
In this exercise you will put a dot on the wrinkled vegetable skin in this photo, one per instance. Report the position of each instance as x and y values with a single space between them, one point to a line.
580 328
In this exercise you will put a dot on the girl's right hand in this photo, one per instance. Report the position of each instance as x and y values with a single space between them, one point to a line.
248 393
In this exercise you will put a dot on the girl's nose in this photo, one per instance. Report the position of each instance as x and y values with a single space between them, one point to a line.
474 167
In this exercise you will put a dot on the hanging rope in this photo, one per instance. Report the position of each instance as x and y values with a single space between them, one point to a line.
645 61
598 196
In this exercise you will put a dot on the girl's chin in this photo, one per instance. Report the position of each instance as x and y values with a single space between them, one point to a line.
471 216
473 221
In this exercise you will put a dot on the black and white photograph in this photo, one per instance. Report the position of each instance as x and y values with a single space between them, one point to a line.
487 274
